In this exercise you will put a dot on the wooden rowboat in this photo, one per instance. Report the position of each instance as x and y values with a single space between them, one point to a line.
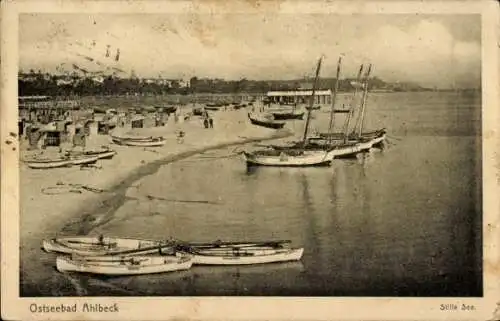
245 257
90 245
125 266
287 115
95 246
48 163
84 159
101 154
134 138
150 142
221 244
289 158
156 142
61 161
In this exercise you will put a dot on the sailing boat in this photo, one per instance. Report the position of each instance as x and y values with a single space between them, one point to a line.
366 140
298 155
334 147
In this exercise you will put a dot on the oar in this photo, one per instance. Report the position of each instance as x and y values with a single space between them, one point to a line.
233 244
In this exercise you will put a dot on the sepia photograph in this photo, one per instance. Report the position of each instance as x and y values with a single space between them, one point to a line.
248 153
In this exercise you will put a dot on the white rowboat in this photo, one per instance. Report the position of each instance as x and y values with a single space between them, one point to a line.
90 245
284 158
153 143
95 246
243 257
84 159
48 163
61 162
125 266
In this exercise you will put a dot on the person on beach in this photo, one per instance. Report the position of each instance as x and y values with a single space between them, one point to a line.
211 122
101 239
180 137
205 122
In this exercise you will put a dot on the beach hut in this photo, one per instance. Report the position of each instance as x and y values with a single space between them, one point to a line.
33 134
149 121
137 121
103 123
51 135
90 127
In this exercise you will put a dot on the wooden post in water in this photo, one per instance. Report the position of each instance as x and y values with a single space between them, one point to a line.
334 98
308 119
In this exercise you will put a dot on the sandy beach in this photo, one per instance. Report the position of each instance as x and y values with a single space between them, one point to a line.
66 209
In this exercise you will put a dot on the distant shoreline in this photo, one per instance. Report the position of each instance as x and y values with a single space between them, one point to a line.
192 98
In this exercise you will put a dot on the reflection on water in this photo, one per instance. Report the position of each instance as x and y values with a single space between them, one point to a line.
402 221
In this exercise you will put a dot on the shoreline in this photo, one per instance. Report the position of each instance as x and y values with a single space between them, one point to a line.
119 190
44 216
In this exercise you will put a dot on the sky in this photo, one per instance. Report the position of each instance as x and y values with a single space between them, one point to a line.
433 50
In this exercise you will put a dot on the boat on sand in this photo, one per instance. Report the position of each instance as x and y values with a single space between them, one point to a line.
141 142
48 163
83 159
103 153
63 161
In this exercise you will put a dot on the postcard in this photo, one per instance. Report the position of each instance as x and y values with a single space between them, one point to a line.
257 160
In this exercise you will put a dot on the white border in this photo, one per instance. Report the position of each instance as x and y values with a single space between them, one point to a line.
234 308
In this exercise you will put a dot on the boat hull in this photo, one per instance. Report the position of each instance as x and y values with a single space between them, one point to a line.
93 246
258 257
133 138
266 123
375 134
287 116
103 155
335 149
123 266
90 245
139 143
48 164
100 154
84 160
309 158
144 143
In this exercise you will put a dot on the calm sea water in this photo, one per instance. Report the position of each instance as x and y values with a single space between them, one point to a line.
402 221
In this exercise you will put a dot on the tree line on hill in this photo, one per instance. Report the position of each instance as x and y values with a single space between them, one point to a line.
37 83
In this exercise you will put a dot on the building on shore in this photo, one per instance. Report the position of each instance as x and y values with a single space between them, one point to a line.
321 97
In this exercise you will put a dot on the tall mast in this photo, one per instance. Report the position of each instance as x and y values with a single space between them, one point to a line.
306 129
351 108
334 98
363 106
